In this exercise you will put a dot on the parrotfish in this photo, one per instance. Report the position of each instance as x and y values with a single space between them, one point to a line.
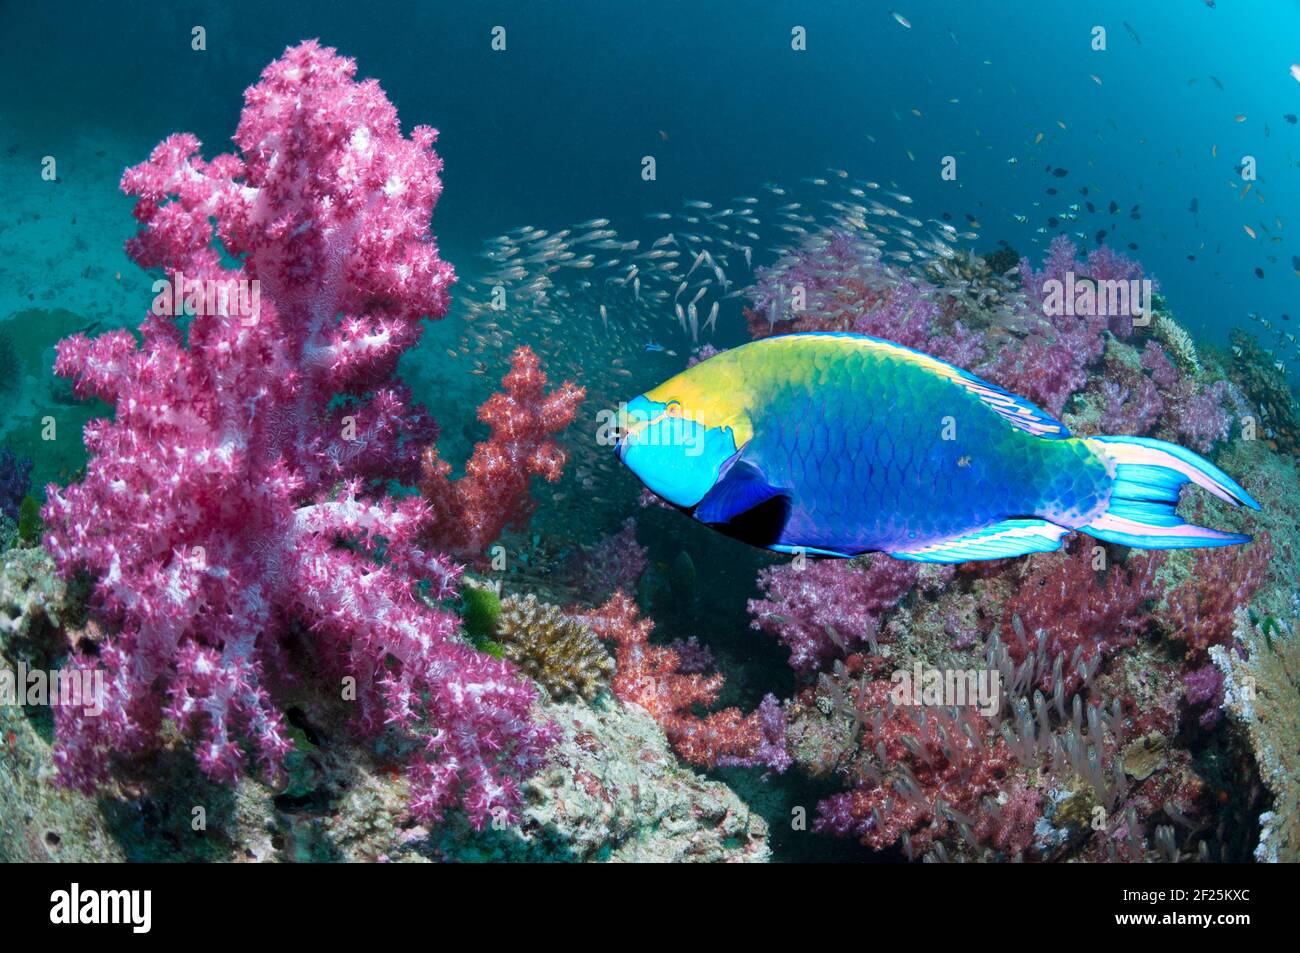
841 444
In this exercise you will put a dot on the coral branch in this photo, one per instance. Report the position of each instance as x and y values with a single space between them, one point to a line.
650 676
470 513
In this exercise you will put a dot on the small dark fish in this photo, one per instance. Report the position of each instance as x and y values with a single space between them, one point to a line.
1060 173
1194 206
1133 246
1053 221
1191 258
1290 117
1051 191
1114 206
1215 81
1090 207
1259 272
947 216
1083 191
298 719
1295 262
1133 33
1101 235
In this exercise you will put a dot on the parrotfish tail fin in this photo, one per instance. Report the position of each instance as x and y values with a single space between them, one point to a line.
1148 476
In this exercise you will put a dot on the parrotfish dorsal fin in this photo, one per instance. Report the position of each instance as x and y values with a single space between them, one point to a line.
745 506
1014 537
1021 413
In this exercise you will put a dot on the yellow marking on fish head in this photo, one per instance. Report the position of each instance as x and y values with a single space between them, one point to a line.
711 393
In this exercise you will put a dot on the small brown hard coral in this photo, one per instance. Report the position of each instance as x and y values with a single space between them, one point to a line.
557 651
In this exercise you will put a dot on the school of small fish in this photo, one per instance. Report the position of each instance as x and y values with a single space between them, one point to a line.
611 300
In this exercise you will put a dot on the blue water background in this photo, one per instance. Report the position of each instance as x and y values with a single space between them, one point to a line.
554 129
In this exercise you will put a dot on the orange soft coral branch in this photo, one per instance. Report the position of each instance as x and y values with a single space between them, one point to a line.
470 513
648 676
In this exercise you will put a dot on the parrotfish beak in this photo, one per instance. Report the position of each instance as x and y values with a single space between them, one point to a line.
676 456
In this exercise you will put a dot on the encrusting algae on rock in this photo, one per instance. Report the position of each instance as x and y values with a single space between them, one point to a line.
1261 692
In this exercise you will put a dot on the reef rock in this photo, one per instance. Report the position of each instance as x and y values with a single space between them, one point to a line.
1261 695
611 789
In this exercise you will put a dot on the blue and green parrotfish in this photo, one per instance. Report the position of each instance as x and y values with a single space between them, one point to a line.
841 444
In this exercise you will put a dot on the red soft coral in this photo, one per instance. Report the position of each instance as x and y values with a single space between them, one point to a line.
1067 612
926 773
1202 610
469 513
650 676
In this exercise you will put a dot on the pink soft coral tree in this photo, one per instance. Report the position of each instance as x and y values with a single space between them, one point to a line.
236 496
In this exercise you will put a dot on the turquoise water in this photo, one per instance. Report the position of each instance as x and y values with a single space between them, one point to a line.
552 130
1139 146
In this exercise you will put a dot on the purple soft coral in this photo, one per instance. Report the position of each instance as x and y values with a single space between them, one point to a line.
812 606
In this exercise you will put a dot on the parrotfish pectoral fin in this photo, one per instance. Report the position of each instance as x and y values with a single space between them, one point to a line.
745 506
1148 476
1014 537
